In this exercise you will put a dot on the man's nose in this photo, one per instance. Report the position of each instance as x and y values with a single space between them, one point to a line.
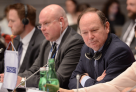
90 35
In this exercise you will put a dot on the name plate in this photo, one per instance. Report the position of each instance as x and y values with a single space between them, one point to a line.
2 89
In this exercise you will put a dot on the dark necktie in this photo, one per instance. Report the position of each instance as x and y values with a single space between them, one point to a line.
96 68
54 51
19 52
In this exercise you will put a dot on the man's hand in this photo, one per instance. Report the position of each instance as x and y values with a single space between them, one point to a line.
102 76
127 89
2 77
64 90
85 74
18 80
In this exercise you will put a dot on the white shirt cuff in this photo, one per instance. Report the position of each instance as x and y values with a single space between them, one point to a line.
84 80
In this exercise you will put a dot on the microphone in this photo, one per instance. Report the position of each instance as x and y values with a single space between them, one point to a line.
131 89
77 77
29 77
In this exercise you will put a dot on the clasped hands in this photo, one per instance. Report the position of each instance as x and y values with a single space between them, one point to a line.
98 78
85 74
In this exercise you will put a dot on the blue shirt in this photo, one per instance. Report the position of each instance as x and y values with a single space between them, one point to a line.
87 77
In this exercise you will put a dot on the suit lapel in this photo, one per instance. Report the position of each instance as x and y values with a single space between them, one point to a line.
16 42
101 61
125 28
27 54
61 44
101 66
46 52
90 66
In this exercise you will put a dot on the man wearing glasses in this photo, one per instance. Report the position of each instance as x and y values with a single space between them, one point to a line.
62 43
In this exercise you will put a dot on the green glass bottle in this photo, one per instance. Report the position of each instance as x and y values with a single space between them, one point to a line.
52 84
42 81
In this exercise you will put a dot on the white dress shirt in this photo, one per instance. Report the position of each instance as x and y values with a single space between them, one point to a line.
25 42
130 33
58 41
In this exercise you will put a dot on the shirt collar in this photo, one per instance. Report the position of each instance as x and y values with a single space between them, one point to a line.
28 37
99 49
58 41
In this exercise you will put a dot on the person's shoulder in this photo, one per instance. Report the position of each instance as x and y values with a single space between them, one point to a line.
85 48
17 38
38 34
72 39
73 34
127 23
117 44
37 37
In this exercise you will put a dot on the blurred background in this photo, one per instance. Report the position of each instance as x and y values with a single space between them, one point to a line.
39 4
115 11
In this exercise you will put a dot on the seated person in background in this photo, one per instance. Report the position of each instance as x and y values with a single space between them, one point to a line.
71 7
122 83
113 13
54 26
104 56
82 7
30 36
5 29
127 34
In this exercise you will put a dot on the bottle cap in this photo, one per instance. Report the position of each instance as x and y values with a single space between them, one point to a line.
47 68
42 69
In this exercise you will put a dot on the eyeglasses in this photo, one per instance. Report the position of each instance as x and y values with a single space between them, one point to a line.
46 24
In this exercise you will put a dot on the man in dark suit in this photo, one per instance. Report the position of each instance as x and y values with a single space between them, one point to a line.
54 26
104 56
127 35
26 33
32 51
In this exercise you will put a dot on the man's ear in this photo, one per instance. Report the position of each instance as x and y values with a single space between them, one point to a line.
62 22
107 27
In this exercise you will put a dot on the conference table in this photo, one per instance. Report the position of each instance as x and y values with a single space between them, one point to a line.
23 90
